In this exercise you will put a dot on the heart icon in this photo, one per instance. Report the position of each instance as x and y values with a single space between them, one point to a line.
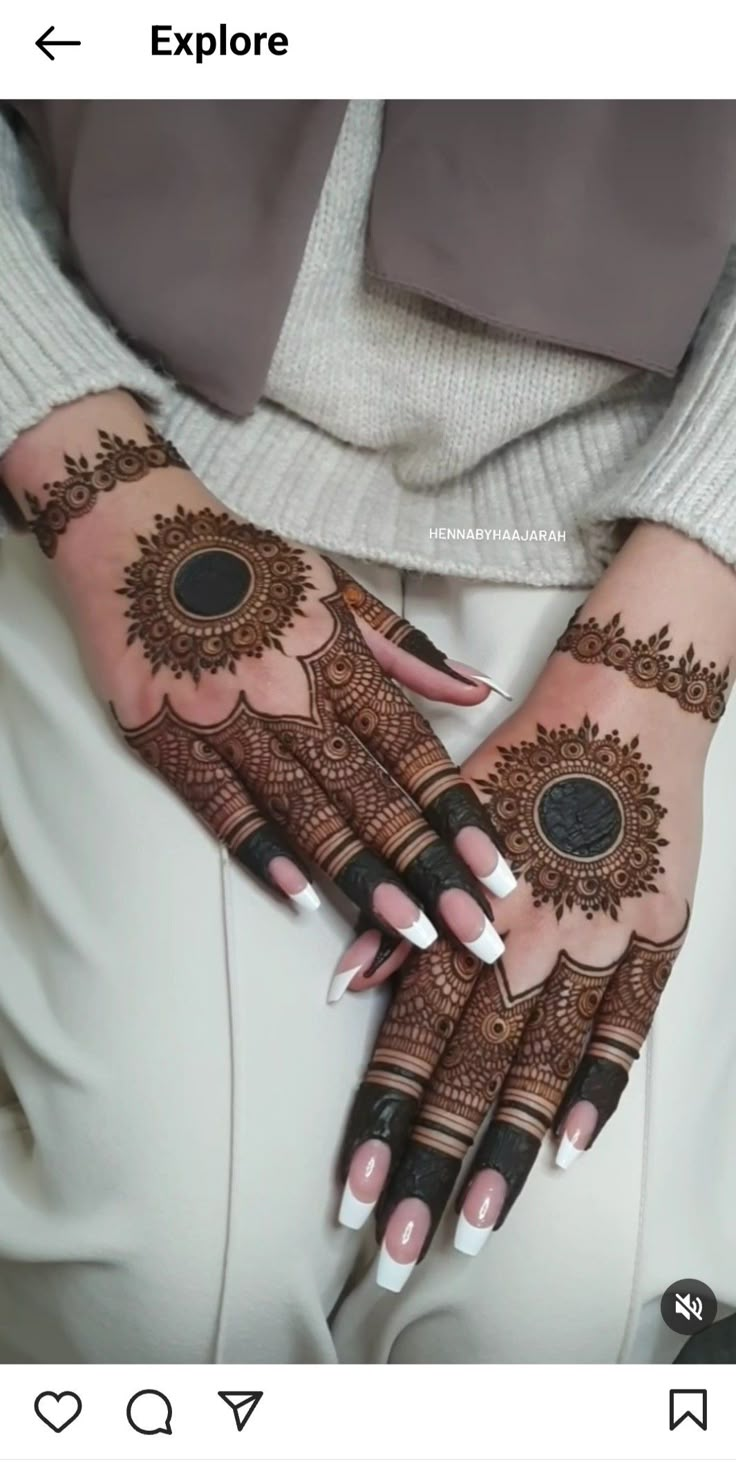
57 1409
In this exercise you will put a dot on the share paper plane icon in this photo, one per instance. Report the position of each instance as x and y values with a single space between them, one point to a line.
243 1404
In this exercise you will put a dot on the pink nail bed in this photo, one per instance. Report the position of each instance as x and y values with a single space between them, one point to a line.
579 1127
366 1176
403 1242
369 1170
484 1201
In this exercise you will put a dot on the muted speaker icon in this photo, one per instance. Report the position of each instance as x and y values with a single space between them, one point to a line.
688 1306
692 1309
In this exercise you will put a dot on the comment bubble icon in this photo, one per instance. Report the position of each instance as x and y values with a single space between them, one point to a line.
149 1412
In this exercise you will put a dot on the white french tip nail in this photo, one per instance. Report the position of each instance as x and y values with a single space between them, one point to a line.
489 945
567 1153
501 881
306 898
486 680
469 1238
390 1274
353 1211
421 933
471 674
339 984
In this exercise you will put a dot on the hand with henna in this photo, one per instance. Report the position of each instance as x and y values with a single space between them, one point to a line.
595 784
260 681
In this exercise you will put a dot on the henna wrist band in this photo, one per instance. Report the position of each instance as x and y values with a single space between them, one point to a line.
649 664
116 461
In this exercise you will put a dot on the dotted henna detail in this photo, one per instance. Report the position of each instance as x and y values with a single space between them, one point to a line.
697 687
579 818
116 461
207 590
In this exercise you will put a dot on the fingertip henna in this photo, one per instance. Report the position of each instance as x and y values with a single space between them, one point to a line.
600 1082
381 1113
422 1173
510 1152
258 850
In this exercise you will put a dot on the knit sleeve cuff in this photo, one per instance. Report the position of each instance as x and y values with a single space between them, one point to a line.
54 346
685 475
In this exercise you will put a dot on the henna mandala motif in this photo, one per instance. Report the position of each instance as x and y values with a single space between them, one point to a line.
579 818
116 461
695 686
206 590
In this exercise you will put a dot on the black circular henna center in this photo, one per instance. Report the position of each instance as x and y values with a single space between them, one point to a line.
580 817
211 583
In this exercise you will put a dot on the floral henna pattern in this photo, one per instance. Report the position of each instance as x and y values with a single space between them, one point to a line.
695 686
207 589
116 461
579 818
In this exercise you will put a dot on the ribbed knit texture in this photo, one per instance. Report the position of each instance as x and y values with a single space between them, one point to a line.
391 423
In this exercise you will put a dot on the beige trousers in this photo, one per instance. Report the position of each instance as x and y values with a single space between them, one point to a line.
173 1085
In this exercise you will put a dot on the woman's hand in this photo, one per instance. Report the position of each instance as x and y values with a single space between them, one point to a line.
259 679
595 785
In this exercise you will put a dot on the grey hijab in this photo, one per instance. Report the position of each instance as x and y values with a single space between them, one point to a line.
602 226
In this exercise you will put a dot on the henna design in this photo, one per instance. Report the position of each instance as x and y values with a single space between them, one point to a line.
579 818
695 686
625 1016
194 768
313 773
432 992
391 625
550 1063
116 461
207 589
529 1056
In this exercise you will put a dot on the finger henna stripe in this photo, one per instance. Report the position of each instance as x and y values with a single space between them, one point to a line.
407 845
436 1138
335 852
400 1062
614 1047
389 624
397 1082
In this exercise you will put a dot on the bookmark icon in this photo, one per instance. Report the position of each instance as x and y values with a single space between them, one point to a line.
242 1404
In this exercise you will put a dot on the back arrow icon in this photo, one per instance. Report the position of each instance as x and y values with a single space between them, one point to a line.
43 43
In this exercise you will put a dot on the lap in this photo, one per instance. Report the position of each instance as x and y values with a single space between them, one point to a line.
173 1085
179 1080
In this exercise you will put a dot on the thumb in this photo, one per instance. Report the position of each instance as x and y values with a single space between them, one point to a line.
407 654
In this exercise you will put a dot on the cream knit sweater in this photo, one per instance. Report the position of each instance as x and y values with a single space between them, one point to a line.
392 428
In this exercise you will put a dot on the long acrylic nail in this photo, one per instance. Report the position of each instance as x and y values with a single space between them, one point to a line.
467 921
485 861
479 675
367 1174
291 881
398 910
579 1128
482 1205
340 982
403 1242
